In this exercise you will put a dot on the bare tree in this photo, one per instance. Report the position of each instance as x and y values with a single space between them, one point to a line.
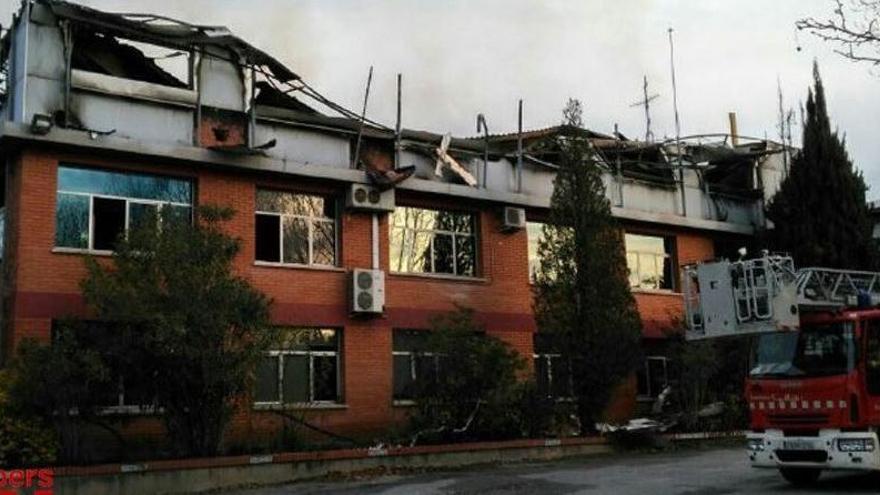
853 26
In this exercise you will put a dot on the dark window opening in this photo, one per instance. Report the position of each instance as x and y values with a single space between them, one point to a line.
652 377
109 222
415 365
268 242
553 373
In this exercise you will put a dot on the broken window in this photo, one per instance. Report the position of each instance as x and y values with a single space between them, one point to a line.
298 229
304 368
414 365
95 207
118 57
650 261
433 241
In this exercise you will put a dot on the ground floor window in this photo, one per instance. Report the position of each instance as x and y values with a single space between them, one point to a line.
652 377
302 368
128 385
552 371
414 364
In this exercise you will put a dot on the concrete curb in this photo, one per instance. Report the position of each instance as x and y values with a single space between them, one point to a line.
180 476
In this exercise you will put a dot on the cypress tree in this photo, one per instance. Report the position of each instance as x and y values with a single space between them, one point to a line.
819 214
582 293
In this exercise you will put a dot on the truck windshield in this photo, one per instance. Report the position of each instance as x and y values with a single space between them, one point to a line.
818 350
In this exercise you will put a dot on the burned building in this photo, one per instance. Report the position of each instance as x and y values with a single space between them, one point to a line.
107 115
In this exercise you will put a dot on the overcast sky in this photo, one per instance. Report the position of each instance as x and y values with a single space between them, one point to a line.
462 57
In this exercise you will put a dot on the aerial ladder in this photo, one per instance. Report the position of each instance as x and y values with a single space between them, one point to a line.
767 294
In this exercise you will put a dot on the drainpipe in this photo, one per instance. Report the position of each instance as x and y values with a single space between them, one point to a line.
375 241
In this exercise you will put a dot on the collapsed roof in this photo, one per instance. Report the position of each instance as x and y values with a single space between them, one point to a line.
722 168
151 28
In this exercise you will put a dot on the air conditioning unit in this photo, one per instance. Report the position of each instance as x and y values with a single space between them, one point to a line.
513 218
367 291
368 198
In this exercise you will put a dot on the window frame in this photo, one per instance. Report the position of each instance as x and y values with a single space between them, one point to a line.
159 204
413 373
548 357
670 254
533 265
310 222
651 396
279 355
475 227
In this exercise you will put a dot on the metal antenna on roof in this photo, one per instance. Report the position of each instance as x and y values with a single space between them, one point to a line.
398 124
357 146
677 124
519 149
646 102
782 125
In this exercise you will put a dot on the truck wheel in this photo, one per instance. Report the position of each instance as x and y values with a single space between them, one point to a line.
800 476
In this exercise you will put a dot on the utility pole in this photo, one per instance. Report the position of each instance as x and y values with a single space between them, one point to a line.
646 102
677 125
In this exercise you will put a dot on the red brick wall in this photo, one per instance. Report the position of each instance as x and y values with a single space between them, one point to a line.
47 284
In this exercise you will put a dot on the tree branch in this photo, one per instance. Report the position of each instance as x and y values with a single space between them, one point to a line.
853 26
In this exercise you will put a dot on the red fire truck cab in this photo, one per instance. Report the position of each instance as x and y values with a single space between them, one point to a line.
814 395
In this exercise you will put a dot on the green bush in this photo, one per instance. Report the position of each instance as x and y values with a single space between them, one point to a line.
24 441
61 384
477 394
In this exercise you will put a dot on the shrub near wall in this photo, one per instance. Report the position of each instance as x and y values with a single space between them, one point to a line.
24 442
477 394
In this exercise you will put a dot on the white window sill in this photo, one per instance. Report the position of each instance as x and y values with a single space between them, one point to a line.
656 292
294 266
321 406
441 277
129 411
92 252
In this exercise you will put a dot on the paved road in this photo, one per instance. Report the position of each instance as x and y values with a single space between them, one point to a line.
709 472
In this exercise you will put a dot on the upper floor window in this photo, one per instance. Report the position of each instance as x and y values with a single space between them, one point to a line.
94 207
650 261
535 231
302 368
433 241
295 228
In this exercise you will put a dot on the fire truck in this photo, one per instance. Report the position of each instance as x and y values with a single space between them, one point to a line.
813 390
